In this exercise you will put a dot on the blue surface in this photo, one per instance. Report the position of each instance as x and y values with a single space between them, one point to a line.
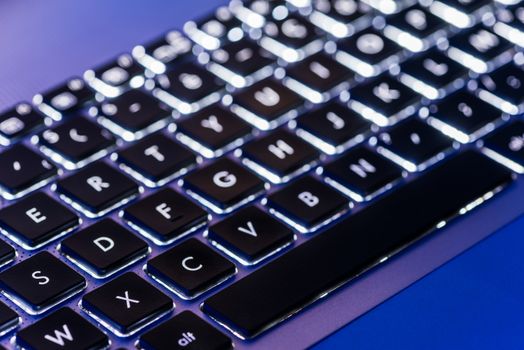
473 302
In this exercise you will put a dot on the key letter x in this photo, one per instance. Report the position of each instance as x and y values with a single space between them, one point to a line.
127 299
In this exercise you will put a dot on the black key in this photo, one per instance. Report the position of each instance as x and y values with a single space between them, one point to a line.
504 88
510 24
76 142
346 250
421 26
156 159
40 282
460 13
190 268
368 53
185 331
362 174
126 304
383 100
414 145
266 104
8 319
22 171
279 156
188 87
250 235
307 204
506 145
332 128
116 77
291 38
318 77
463 116
7 253
255 13
65 98
37 219
134 114
223 185
97 189
163 52
63 329
213 131
104 248
432 75
213 31
241 63
165 216
340 18
18 122
479 49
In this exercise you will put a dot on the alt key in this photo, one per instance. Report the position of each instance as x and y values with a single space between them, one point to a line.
185 331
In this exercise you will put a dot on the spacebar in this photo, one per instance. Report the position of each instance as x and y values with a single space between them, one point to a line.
299 277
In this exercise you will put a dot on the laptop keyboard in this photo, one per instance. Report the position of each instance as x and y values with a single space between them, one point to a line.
262 141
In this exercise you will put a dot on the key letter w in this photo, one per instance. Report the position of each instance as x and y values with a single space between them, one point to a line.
60 336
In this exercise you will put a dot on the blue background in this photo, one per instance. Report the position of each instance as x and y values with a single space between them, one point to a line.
475 301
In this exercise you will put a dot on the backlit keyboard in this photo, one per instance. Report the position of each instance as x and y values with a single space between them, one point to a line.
202 188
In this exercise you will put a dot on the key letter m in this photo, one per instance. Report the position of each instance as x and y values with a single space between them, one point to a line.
59 336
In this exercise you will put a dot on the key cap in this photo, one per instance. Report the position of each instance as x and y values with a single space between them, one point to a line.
464 117
433 75
255 13
383 100
223 185
504 89
23 171
461 14
318 77
506 145
18 122
97 189
368 53
479 49
156 159
8 319
279 156
213 31
415 28
241 63
291 38
307 204
362 174
163 52
340 18
133 115
414 145
185 331
40 282
104 248
250 235
213 131
165 216
36 220
126 304
113 78
65 98
76 142
266 104
354 245
190 269
63 329
188 88
332 128
7 253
